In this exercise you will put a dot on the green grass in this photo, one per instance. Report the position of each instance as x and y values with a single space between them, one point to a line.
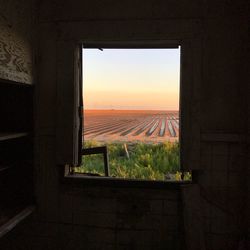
145 161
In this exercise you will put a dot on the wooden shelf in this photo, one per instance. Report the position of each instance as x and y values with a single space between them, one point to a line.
15 84
16 153
10 224
3 168
9 136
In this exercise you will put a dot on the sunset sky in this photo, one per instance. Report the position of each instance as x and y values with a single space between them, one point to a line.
141 79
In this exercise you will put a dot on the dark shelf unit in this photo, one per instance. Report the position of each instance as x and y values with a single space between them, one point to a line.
16 153
7 136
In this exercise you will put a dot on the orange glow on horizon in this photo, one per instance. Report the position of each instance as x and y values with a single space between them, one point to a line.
131 100
136 79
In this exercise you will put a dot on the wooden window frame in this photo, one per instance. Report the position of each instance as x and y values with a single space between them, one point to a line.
190 78
101 45
99 150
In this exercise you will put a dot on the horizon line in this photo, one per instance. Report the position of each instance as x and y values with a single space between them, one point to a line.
112 109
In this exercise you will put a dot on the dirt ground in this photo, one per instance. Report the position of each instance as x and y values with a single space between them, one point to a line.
151 126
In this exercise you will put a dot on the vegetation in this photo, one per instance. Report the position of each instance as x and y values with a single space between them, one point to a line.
136 160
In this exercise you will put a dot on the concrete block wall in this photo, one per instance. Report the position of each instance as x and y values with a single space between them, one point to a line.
222 179
248 152
223 187
107 218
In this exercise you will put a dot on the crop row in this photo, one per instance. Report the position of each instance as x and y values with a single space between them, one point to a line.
137 126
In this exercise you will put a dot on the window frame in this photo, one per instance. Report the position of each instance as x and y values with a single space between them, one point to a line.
189 94
128 45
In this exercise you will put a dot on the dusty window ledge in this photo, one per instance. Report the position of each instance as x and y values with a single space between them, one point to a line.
83 180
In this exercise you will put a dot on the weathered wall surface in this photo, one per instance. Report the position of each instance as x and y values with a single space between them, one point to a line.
129 218
16 41
248 149
223 35
224 144
105 218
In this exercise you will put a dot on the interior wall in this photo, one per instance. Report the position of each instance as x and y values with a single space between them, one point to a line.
223 98
224 143
248 150
106 218
97 217
223 101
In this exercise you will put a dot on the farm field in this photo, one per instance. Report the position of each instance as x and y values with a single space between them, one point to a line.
158 161
142 144
146 126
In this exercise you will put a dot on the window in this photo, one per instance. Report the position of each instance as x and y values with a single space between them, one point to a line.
131 113
69 106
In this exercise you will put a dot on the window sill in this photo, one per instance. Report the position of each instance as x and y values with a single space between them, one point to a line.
83 180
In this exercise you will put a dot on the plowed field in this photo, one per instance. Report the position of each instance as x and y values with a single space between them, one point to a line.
131 125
